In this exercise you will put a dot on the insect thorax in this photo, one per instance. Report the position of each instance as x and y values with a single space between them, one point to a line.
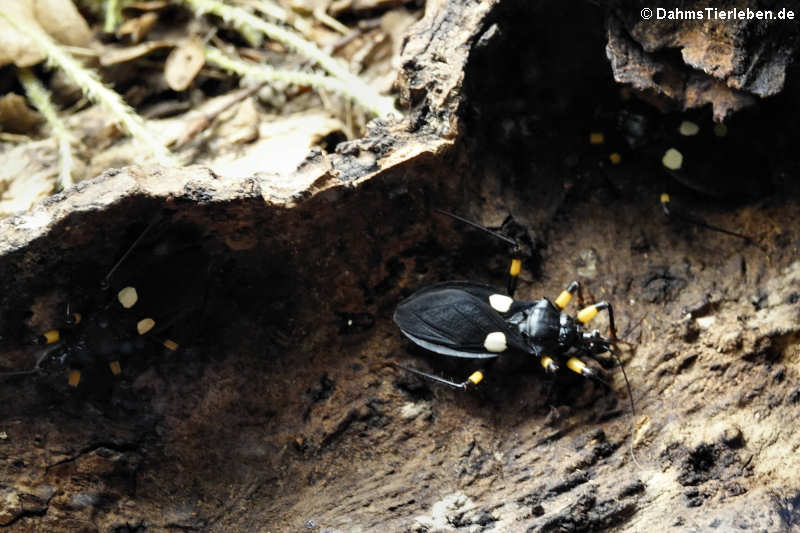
546 328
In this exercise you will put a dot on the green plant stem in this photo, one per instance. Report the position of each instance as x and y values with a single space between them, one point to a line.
112 15
382 106
40 98
269 74
91 86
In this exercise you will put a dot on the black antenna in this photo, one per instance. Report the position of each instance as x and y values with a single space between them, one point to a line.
624 375
105 282
497 235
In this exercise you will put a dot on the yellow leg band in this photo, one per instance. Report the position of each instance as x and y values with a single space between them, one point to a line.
548 363
516 267
596 138
615 158
664 198
476 377
587 313
576 365
115 367
563 299
74 377
76 318
170 345
51 336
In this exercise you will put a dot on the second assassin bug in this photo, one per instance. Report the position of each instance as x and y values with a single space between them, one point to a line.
151 295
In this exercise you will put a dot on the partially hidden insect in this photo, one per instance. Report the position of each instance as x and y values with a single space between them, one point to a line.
115 334
471 320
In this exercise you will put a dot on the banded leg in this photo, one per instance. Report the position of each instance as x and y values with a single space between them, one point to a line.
513 271
679 215
548 364
474 378
586 314
579 367
74 377
516 255
566 295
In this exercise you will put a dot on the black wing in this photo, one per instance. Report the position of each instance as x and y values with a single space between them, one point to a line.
480 291
454 318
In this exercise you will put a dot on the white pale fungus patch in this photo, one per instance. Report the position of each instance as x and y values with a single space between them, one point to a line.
443 512
411 410
705 322
145 325
495 342
688 128
672 159
500 302
127 297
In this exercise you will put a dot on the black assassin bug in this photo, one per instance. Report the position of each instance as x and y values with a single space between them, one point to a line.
90 351
471 320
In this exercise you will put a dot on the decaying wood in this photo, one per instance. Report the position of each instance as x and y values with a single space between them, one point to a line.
282 411
724 61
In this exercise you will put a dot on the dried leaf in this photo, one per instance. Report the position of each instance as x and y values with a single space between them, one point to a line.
16 47
242 127
27 175
308 6
59 18
16 116
183 64
339 7
153 5
137 28
115 55
284 142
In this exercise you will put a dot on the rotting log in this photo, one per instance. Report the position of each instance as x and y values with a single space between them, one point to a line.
281 410
691 54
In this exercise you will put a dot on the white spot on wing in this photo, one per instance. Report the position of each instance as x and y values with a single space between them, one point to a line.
500 302
127 297
688 128
145 325
495 342
672 159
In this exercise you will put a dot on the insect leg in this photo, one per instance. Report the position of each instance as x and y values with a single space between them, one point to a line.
548 364
579 367
516 255
474 378
513 271
678 215
588 313
566 295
